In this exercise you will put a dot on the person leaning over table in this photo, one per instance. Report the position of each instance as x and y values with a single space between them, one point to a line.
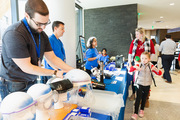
23 46
139 45
57 46
92 55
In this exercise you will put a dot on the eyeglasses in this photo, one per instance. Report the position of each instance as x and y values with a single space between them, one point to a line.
41 24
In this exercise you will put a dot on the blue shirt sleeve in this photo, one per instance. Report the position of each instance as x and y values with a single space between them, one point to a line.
89 54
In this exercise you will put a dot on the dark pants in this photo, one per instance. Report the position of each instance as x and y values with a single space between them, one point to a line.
154 62
167 62
131 77
142 93
133 87
7 86
44 79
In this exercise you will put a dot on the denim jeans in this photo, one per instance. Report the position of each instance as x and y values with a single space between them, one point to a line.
7 87
44 79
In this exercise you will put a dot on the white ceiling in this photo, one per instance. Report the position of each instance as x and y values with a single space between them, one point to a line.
151 11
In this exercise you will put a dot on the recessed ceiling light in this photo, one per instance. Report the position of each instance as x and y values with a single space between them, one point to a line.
158 21
161 17
171 4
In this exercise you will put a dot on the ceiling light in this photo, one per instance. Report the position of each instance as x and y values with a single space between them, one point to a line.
171 4
161 17
158 21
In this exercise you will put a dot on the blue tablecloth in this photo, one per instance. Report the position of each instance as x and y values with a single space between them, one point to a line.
101 116
121 87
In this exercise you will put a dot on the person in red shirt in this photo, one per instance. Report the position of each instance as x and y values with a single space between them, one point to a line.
179 61
139 45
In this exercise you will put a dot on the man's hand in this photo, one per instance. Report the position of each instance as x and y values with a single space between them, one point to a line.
59 74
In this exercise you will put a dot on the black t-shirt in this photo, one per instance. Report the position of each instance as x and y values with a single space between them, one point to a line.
18 43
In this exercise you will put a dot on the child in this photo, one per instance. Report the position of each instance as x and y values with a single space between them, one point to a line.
104 57
143 82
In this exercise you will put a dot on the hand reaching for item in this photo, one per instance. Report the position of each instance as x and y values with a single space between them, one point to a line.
98 56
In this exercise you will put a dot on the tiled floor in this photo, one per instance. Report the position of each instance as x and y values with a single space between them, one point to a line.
164 100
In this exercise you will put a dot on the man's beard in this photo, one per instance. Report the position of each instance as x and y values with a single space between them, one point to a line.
39 30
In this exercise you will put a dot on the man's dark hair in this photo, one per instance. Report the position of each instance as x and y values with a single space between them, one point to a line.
36 6
56 24
168 36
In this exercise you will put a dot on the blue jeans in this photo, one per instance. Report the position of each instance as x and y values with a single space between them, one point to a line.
44 79
7 86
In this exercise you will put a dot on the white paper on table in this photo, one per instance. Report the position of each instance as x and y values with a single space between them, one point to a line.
123 72
114 82
119 78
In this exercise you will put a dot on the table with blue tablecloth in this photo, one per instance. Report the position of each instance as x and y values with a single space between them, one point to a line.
119 87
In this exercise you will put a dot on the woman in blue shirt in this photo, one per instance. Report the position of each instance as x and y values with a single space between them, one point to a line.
92 55
104 57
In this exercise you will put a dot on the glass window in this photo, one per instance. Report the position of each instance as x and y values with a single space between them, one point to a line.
5 18
79 32
21 7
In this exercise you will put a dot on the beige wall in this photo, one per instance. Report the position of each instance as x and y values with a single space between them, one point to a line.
4 6
64 10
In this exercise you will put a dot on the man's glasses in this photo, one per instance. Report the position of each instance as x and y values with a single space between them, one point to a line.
41 24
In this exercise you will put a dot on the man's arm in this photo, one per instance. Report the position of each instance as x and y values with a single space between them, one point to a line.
25 65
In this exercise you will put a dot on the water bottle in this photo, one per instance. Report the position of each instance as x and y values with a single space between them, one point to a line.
101 72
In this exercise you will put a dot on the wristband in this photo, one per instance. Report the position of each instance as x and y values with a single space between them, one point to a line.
55 72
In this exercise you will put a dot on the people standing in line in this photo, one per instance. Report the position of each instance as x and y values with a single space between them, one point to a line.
167 49
104 57
143 82
92 55
154 57
23 46
57 46
138 46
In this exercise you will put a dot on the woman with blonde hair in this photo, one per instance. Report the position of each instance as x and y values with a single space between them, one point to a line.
139 45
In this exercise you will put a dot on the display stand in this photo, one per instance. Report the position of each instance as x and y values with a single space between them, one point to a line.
80 60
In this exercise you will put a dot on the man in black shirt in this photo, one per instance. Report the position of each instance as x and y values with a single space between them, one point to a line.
23 46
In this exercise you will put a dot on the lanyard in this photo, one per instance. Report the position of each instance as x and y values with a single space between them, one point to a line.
37 48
